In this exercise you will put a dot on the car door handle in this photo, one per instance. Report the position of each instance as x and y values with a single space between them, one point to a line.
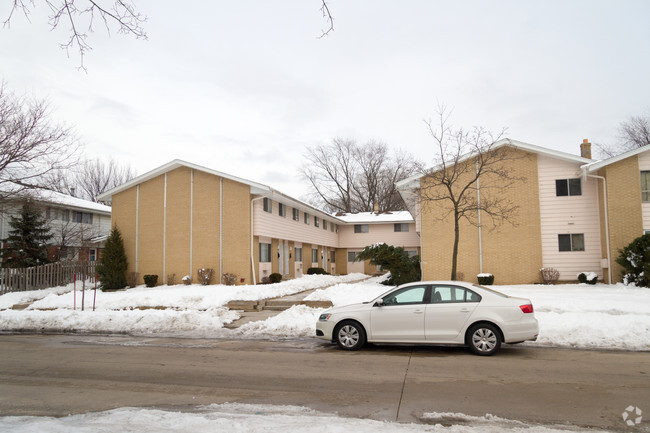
418 312
465 310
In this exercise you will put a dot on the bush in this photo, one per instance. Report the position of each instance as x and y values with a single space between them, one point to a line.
275 278
265 280
587 277
132 279
402 268
549 275
635 260
485 279
111 270
187 280
205 276
229 279
150 280
316 271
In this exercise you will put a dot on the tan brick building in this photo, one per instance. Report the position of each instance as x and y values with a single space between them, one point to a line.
573 214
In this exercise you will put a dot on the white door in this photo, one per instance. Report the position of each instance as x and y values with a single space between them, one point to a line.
449 310
401 317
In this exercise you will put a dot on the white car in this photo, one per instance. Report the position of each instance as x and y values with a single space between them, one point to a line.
433 312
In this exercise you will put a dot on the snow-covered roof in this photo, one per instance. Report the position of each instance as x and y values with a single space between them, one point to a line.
376 218
56 198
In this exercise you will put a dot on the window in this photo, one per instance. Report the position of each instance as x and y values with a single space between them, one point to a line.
268 204
332 227
333 256
361 228
564 187
306 218
92 254
314 255
296 214
411 253
324 225
406 296
316 222
645 186
265 253
282 210
352 256
449 294
401 227
298 254
82 217
571 242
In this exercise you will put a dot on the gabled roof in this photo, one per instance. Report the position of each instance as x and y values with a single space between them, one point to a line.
414 180
597 165
255 187
57 199
376 218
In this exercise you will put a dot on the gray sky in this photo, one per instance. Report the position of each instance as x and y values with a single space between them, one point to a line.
245 86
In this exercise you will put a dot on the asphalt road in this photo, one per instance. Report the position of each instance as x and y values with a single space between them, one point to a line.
58 375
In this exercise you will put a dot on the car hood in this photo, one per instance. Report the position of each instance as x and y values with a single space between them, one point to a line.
350 307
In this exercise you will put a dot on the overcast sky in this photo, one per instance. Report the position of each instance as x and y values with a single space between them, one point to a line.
246 86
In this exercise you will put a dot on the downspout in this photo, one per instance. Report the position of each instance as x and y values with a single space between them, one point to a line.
609 260
252 239
137 225
164 263
220 228
478 201
191 221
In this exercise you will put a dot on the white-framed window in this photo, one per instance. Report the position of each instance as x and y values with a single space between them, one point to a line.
296 214
564 187
268 205
571 242
314 255
332 227
92 254
324 224
645 186
282 210
82 217
352 255
265 253
411 253
361 228
401 227
333 256
316 222
306 218
298 252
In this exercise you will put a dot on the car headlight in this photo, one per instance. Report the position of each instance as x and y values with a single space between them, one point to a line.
324 317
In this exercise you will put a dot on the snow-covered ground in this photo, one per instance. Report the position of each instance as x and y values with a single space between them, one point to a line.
572 315
236 418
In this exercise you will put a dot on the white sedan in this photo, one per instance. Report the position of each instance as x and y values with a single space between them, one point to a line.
433 312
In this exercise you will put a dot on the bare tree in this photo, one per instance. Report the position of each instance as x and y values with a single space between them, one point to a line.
68 235
81 15
327 15
31 145
465 158
632 134
349 177
90 179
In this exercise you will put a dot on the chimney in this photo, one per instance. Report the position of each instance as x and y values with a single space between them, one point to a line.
585 149
376 207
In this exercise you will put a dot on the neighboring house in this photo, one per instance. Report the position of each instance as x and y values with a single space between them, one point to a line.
574 214
78 227
182 217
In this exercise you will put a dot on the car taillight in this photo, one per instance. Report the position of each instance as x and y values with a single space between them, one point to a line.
528 308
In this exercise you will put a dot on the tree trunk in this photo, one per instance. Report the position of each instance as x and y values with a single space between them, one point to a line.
454 255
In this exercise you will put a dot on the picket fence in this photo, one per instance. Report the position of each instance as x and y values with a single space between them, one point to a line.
44 276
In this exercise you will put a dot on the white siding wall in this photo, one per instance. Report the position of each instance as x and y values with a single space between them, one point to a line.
570 214
378 233
644 164
274 226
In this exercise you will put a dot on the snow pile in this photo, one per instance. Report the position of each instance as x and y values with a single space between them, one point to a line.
236 418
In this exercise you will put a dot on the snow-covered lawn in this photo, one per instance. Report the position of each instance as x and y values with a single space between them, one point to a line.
572 315
235 418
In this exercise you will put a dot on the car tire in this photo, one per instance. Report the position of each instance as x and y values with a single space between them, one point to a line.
350 335
484 339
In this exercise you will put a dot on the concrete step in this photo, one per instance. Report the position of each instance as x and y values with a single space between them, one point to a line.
246 305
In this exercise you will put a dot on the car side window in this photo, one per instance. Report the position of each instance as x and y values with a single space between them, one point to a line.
408 295
453 294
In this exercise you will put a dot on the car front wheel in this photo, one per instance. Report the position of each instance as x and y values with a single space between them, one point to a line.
350 335
484 339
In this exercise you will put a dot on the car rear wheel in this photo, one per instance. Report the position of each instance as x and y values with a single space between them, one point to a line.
350 335
484 339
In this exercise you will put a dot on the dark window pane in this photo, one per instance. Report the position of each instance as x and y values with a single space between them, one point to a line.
575 187
561 187
564 242
578 242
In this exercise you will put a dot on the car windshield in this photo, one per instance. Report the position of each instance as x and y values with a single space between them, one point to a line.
491 291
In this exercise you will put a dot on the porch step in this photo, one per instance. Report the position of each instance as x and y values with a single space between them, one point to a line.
246 305
282 304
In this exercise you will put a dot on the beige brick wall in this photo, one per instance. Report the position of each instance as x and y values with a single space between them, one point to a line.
237 229
624 207
150 229
512 253
177 225
123 216
205 225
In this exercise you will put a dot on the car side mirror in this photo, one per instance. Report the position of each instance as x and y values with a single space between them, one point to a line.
379 303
